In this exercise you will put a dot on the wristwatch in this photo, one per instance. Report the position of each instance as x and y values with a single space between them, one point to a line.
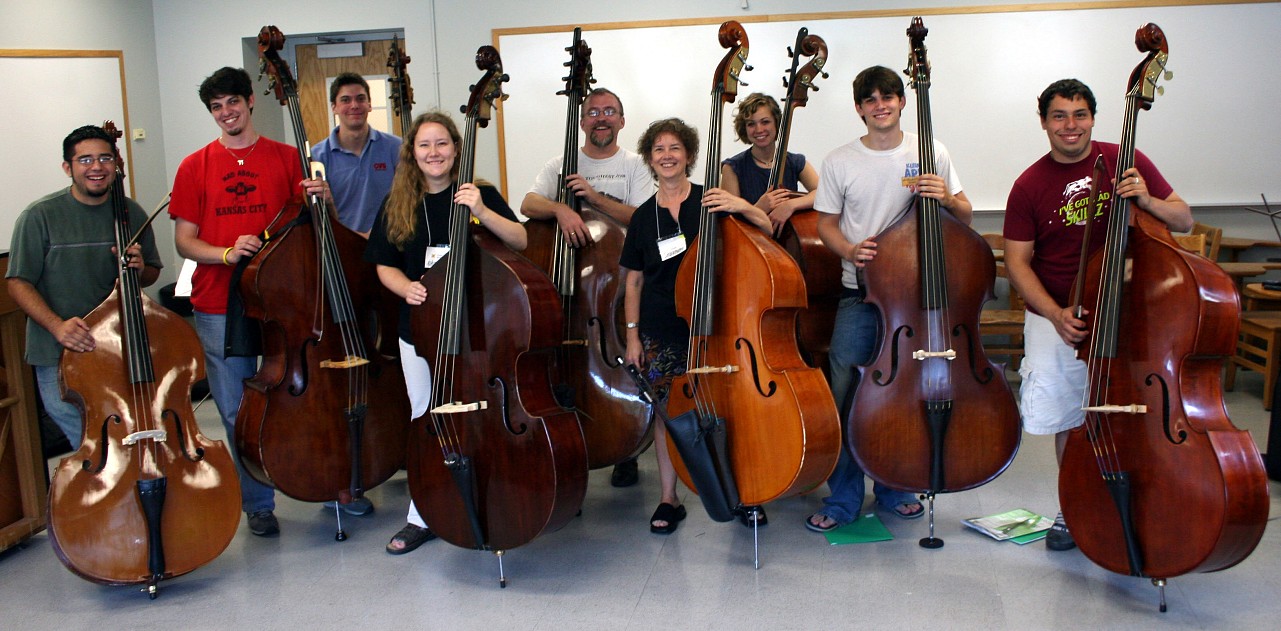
632 325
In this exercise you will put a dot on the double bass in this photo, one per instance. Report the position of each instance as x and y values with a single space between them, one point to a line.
146 497
932 414
819 265
495 461
326 415
616 424
744 365
1158 482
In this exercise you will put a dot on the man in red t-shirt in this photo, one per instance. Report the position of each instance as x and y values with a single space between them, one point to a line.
224 195
1044 228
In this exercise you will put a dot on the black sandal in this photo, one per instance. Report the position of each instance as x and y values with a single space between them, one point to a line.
668 513
410 537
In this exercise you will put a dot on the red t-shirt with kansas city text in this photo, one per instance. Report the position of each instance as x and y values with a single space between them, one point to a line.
226 200
1047 206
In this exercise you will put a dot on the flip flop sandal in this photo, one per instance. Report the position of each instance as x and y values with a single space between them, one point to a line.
410 537
920 510
668 513
813 527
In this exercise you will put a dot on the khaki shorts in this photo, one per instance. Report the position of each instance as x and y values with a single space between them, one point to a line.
1053 387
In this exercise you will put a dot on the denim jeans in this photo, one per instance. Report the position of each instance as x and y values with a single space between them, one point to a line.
226 384
65 415
854 338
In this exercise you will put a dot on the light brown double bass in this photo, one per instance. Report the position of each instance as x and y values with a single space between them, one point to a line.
616 424
1158 482
146 497
495 461
932 414
744 366
326 415
819 265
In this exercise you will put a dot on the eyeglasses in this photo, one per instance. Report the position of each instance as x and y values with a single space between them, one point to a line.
102 159
595 113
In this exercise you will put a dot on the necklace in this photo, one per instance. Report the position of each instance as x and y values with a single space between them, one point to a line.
240 160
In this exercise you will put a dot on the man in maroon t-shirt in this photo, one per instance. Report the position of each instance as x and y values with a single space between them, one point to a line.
1044 228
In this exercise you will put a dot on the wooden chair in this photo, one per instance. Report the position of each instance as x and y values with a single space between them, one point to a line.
1257 350
1007 323
1256 297
1213 238
1193 243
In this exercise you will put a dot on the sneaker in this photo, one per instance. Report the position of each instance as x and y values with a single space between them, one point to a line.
359 507
263 523
625 473
1058 538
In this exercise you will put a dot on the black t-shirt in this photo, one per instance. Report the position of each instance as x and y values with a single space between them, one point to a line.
649 224
431 228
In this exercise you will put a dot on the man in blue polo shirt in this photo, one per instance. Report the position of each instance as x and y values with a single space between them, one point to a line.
359 164
359 160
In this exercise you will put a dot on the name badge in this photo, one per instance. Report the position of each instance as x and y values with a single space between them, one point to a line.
434 254
671 246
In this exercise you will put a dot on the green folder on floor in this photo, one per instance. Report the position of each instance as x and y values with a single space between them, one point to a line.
866 529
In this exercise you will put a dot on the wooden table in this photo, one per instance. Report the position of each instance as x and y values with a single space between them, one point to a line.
1235 245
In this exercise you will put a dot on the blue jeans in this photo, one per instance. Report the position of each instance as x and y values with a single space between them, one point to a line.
226 384
65 415
854 338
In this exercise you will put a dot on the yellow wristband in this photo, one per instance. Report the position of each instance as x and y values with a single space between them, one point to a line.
224 256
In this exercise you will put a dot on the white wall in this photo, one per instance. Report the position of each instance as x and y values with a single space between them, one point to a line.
172 45
124 25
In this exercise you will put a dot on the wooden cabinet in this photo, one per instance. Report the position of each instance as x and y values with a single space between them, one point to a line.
23 488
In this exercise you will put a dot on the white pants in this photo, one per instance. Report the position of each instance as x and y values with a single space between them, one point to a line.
1054 380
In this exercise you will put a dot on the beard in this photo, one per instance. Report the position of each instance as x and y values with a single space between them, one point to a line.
602 141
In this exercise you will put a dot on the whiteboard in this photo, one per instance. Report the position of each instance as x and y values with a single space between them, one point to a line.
60 91
1213 134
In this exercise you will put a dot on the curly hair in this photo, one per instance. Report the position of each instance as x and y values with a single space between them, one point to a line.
1068 89
409 185
226 81
677 127
747 109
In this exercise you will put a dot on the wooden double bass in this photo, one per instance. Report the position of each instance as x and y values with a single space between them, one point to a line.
932 414
1158 482
744 365
146 497
819 265
401 90
616 424
495 461
326 415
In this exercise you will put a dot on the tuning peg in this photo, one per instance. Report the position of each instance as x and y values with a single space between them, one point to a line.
568 64
1168 75
1160 89
785 83
471 88
747 68
790 54
825 75
814 87
505 78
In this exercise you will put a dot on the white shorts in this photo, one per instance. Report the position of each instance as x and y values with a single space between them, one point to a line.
1053 387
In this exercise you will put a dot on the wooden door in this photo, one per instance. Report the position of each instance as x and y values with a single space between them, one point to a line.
313 91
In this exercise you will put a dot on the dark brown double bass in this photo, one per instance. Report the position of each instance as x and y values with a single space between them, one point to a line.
401 90
326 415
744 365
495 461
616 424
819 265
146 497
932 414
1158 482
